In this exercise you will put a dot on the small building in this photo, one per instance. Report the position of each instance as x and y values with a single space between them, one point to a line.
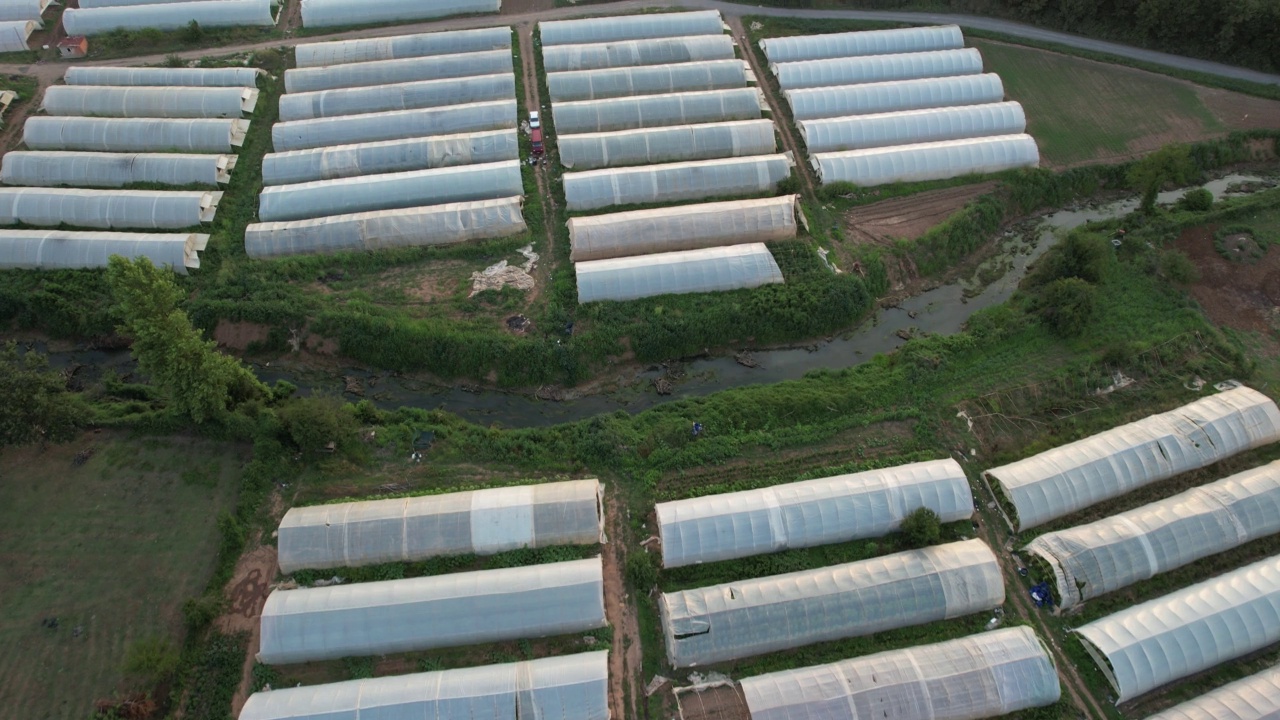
73 47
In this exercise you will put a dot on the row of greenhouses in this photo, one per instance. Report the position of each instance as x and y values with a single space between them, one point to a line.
330 13
18 19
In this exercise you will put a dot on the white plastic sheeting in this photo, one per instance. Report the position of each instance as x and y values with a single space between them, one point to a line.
66 250
327 13
11 10
340 52
570 686
867 42
120 3
149 102
384 72
753 617
419 153
165 77
1095 559
980 676
808 513
398 96
14 34
108 209
624 53
390 191
393 125
1060 481
686 227
927 161
480 522
630 27
707 270
133 134
588 151
168 16
1256 697
627 113
646 80
842 100
90 169
695 180
877 68
380 618
912 126
1159 641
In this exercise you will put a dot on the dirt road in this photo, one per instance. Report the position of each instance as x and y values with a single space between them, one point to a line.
625 659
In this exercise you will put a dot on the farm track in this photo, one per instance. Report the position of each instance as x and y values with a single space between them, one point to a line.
532 99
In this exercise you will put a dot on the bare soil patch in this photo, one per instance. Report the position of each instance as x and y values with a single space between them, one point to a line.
525 7
909 217
1238 111
1240 295
430 284
239 335
718 703
247 593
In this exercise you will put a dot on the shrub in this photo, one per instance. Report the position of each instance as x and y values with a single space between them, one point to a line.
200 612
1175 265
150 661
1198 200
921 528
641 571
314 422
1082 255
1068 305
193 33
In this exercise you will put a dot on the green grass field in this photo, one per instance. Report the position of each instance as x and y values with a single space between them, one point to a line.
112 547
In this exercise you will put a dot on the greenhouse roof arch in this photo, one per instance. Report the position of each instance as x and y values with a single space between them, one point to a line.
927 161
168 16
23 10
646 80
150 102
695 180
672 143
329 13
385 72
389 156
685 271
909 127
630 27
92 169
643 111
397 96
14 35
880 97
35 249
624 53
134 134
393 125
341 52
108 209
164 77
866 42
1256 697
877 68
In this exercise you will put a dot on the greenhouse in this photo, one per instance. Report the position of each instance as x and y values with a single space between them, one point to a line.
646 80
1256 697
398 96
655 51
686 227
867 98
149 102
630 27
1095 559
65 250
739 138
393 125
628 113
713 269
386 72
164 77
467 608
390 191
15 10
868 42
1187 631
742 619
808 513
479 522
1065 479
91 169
134 135
107 209
912 126
877 68
927 161
419 153
328 13
980 676
340 52
568 686
695 180
168 16
14 35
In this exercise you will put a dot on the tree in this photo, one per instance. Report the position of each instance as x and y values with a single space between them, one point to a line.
1068 306
198 381
1198 200
35 406
1168 164
921 528
193 33
316 421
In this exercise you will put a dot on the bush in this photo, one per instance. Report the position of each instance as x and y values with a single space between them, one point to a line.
150 661
314 422
1068 305
641 571
199 613
193 33
1198 200
921 528
1082 255
1175 265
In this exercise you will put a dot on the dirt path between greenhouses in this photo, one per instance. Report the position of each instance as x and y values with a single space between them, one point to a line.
625 659
532 99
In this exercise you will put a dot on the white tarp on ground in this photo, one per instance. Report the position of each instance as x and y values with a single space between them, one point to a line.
646 146
90 169
480 522
867 42
877 68
14 10
134 134
390 191
419 153
340 52
14 34
909 127
686 227
1068 478
393 125
627 113
646 80
107 209
697 180
397 96
408 227
189 77
169 16
808 513
570 687
328 13
468 608
624 53
66 250
630 27
686 271
149 102
1256 697
843 100
753 617
1187 631
979 676
927 161
384 72
1095 559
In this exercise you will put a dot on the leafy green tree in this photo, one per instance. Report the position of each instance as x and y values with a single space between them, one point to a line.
193 33
1068 306
1082 255
921 528
34 403
314 422
1198 200
150 661
1171 163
